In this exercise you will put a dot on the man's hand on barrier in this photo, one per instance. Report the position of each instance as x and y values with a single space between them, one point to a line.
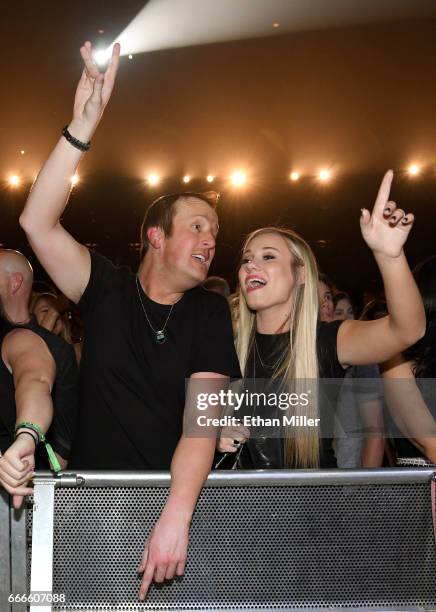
232 437
17 467
165 551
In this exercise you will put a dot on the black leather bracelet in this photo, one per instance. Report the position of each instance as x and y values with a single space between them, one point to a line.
82 146
19 433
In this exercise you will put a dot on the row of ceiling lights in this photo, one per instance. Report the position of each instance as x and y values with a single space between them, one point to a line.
237 178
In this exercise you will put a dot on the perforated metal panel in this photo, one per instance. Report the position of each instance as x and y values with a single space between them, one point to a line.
252 548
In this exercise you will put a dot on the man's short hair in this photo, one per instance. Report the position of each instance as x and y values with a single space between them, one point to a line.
160 213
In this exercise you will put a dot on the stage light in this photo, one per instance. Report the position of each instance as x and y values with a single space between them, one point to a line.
101 57
414 169
210 178
14 180
74 179
22 152
276 24
186 178
238 178
324 175
294 176
153 179
130 56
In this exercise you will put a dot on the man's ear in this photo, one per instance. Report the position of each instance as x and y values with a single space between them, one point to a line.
16 282
155 236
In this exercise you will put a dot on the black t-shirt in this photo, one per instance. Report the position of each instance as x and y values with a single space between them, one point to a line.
267 453
64 395
132 390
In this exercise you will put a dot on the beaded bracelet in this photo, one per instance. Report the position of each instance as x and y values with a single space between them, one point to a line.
82 146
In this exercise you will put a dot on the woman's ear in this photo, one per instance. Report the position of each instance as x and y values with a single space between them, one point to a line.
301 274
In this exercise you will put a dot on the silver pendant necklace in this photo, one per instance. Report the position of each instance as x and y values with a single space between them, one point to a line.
159 334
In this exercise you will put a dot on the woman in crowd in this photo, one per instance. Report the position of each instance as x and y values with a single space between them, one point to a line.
279 336
342 307
409 388
359 425
51 313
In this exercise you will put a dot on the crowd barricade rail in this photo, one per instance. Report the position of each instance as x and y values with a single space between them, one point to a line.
259 540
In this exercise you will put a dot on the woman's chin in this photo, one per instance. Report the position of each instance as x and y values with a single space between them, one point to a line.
256 303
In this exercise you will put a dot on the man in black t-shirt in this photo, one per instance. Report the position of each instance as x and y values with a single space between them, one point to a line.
38 383
145 334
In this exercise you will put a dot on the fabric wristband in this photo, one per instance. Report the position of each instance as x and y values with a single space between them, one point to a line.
41 438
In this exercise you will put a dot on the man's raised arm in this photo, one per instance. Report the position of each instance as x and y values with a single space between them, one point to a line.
67 261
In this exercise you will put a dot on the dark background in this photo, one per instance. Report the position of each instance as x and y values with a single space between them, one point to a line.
358 99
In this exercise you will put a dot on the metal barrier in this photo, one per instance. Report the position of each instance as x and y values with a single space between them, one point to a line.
13 554
281 540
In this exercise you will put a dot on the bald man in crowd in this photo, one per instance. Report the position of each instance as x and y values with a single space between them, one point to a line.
38 383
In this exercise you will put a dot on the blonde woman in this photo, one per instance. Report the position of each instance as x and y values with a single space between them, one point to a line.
279 334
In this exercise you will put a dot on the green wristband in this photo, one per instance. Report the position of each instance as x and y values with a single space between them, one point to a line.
41 438
33 427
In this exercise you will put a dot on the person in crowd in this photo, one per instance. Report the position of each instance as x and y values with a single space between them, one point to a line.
359 425
409 388
38 383
218 284
325 293
342 307
279 335
52 313
49 311
145 333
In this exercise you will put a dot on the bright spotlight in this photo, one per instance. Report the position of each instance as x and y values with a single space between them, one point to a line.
102 56
14 180
294 176
414 169
130 56
22 151
325 175
153 179
74 179
210 178
238 178
186 178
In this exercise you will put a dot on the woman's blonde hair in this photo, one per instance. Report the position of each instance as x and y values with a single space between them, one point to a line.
300 365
